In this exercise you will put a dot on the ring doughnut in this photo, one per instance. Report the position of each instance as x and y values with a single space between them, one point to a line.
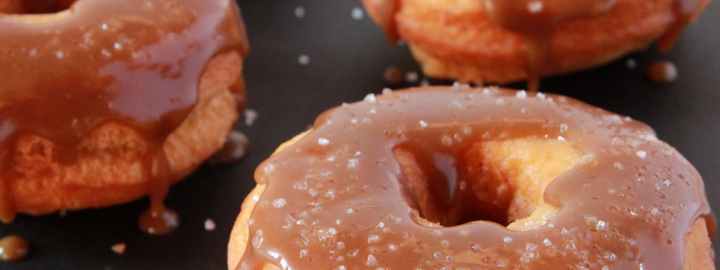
474 178
510 40
103 102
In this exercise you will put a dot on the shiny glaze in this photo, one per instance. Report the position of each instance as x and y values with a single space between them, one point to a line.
13 248
685 12
661 72
334 199
536 21
135 62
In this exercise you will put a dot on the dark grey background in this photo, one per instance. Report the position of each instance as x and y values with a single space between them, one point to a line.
348 58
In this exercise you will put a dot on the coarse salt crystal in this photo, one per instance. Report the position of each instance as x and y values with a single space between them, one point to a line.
521 94
535 6
279 203
250 117
299 12
357 13
411 76
423 124
303 60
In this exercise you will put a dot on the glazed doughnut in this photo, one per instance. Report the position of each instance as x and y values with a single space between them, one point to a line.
503 41
103 102
472 178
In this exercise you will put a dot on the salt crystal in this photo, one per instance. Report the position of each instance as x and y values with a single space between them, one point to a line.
257 240
323 141
507 239
547 242
535 6
279 203
250 117
618 165
357 14
353 253
563 128
300 12
370 98
423 124
641 154
117 46
304 60
209 225
411 76
371 260
60 54
373 238
521 94
631 63
353 163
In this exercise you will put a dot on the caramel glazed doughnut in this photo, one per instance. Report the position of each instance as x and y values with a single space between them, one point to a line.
509 40
438 178
103 101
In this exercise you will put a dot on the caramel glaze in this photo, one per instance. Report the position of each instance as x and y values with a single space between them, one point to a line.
686 11
334 197
133 62
13 248
536 21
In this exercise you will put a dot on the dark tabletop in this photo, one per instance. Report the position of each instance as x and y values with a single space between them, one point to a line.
347 59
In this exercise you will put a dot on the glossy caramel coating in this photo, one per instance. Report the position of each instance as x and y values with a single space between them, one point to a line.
589 188
107 101
487 41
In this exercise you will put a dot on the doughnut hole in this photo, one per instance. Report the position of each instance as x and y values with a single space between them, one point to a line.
34 6
497 181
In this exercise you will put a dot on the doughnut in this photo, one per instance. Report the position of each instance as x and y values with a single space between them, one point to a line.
474 178
104 102
503 41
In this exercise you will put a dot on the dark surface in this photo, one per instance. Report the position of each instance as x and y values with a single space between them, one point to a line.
348 58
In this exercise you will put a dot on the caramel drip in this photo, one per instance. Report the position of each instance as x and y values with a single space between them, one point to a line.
685 12
13 248
536 21
334 198
133 62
